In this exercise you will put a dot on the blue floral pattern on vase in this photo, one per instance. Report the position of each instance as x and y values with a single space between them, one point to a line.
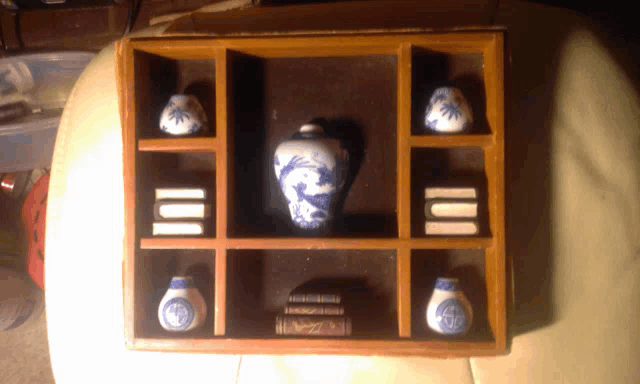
178 314
448 111
452 317
183 115
310 171
182 307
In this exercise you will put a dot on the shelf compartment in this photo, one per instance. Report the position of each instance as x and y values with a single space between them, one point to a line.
200 144
165 169
437 349
158 77
446 141
154 270
273 98
466 265
447 167
431 70
260 281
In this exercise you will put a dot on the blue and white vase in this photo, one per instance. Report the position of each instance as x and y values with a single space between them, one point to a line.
311 169
449 311
182 308
448 111
183 115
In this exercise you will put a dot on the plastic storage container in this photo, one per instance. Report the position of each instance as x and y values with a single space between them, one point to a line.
42 83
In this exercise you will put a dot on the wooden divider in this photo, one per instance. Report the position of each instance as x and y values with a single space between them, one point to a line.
403 255
314 243
200 144
403 181
494 167
222 190
126 89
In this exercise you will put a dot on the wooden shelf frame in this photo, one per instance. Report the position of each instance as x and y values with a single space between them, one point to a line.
197 145
488 44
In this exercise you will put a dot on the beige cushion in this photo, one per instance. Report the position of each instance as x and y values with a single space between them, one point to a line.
573 217
584 252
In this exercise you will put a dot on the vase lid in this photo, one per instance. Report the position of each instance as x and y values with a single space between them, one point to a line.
182 278
181 282
447 283
311 128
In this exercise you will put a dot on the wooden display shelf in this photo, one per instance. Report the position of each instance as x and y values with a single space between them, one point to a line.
203 144
258 91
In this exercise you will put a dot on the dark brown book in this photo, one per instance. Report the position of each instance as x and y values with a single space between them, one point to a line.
303 325
315 297
313 309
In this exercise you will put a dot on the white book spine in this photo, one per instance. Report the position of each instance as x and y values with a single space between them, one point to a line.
181 193
455 228
177 228
450 193
181 210
451 209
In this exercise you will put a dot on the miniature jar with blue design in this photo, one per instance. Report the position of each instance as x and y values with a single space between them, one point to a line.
182 308
449 311
311 169
183 115
448 111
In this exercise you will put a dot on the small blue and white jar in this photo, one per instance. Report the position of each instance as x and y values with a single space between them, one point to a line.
182 308
448 111
311 169
449 311
183 115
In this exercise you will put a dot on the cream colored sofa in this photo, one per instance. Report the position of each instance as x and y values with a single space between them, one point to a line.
573 212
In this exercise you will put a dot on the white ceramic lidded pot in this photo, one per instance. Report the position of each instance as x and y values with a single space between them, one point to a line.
448 111
182 308
311 169
449 311
183 115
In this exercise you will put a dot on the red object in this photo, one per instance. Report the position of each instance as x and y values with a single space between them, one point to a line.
34 213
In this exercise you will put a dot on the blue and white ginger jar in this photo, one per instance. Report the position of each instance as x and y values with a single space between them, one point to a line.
449 311
183 115
182 308
311 169
448 111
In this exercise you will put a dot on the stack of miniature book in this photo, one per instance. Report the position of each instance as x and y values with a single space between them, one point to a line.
451 211
180 211
314 314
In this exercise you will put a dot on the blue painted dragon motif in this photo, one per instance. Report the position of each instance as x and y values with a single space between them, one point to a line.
294 162
320 201
299 219
327 176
